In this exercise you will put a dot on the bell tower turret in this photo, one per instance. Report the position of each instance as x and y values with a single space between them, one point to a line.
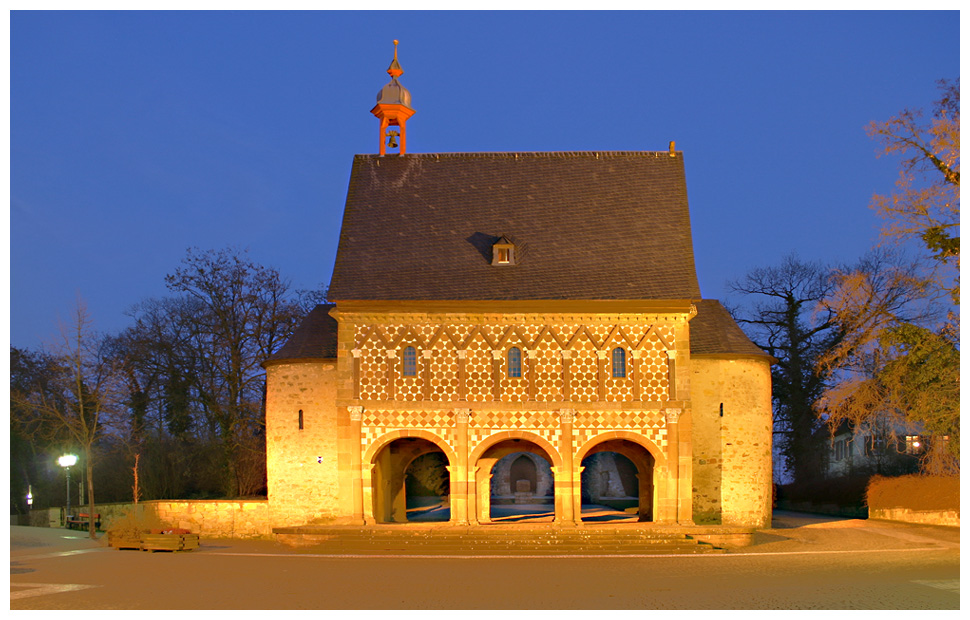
393 109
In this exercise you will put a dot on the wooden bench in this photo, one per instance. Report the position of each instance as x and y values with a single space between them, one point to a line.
82 520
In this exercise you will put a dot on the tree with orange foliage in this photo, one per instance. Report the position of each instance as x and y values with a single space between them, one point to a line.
926 203
892 366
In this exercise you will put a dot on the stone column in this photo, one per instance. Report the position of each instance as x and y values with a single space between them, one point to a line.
356 434
671 504
461 484
473 494
635 356
531 357
566 355
356 370
426 383
671 375
496 375
601 374
391 372
462 390
572 500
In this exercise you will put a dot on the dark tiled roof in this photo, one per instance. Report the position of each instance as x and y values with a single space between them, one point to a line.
315 338
714 332
607 225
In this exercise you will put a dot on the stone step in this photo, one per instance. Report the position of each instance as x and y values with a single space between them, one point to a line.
490 541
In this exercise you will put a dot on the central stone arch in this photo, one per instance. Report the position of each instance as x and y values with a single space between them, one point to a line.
498 446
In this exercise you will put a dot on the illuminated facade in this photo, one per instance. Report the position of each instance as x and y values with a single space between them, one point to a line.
515 315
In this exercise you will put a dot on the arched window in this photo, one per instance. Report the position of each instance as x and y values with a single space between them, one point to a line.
410 362
619 362
515 362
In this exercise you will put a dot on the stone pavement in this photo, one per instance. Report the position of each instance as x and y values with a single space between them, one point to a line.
790 532
804 561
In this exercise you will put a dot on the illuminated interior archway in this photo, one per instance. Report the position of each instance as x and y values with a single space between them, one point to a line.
422 461
618 474
515 482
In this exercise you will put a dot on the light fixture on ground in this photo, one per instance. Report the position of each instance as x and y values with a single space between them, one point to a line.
67 461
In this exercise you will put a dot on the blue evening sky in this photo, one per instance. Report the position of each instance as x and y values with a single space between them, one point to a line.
135 135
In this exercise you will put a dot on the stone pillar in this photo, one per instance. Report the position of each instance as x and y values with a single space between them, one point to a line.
356 370
356 413
635 356
473 494
531 357
601 374
572 500
462 390
391 372
670 505
496 375
671 375
566 355
426 375
461 484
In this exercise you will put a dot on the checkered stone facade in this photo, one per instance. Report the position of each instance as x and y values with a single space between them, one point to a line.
567 362
375 424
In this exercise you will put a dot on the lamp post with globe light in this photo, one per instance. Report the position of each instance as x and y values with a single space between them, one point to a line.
67 461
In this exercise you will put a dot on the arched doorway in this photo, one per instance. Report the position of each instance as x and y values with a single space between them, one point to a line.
522 488
515 482
617 482
410 479
427 487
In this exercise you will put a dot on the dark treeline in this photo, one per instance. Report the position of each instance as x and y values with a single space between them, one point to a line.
175 402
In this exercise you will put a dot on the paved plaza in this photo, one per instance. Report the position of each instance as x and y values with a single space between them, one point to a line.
803 562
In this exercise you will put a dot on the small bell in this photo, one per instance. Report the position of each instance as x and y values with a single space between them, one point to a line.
392 139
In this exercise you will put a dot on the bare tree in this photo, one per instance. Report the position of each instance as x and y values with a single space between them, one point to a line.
783 314
242 312
78 399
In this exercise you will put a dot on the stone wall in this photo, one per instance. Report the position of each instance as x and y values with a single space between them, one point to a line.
208 518
732 452
928 517
915 499
302 464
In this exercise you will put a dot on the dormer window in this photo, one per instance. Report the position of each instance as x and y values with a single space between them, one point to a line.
503 252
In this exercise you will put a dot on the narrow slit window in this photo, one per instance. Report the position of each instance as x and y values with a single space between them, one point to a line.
410 362
619 363
515 362
300 416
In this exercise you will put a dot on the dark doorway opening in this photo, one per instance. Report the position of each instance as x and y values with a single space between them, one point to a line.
410 482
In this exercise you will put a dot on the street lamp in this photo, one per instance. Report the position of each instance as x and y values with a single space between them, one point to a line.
66 462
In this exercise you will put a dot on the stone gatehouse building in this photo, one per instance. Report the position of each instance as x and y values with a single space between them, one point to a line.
534 322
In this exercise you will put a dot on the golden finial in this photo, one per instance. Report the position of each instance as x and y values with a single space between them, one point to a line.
395 69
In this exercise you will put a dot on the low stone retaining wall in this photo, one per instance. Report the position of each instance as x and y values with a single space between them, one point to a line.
931 500
928 517
209 518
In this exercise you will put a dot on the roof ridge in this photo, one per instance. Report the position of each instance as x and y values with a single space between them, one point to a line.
498 154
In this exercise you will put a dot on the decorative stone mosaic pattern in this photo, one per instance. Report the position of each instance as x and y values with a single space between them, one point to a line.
478 434
444 371
478 371
657 435
543 347
375 424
